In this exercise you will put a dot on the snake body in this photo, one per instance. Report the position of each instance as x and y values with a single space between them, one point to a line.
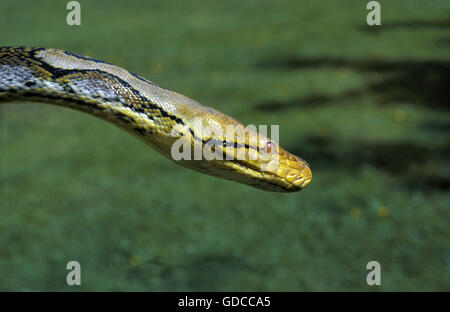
154 114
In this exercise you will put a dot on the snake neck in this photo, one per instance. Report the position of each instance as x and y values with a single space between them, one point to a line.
91 86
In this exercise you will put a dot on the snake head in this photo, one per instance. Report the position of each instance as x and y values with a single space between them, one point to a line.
246 157
271 168
238 153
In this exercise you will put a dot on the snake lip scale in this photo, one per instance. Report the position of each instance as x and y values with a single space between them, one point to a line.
150 112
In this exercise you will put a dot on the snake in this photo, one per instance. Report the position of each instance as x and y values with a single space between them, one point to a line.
159 117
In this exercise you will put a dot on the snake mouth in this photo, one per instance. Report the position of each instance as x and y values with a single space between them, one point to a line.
268 180
306 182
305 178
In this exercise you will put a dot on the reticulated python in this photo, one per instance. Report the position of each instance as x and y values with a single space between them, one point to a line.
156 115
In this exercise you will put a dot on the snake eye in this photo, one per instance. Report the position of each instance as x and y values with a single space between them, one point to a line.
224 143
269 148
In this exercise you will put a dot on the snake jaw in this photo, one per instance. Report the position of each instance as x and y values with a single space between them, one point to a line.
304 178
293 171
283 172
299 174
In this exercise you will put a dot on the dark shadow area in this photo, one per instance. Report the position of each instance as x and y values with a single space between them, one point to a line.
427 182
435 126
422 83
199 273
408 25
327 152
401 159
313 101
209 271
443 43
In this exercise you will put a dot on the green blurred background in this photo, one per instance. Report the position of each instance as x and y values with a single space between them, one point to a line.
367 107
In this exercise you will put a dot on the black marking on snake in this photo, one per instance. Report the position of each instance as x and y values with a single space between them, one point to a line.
87 58
122 117
69 89
234 144
223 143
59 73
140 130
145 80
118 115
14 49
